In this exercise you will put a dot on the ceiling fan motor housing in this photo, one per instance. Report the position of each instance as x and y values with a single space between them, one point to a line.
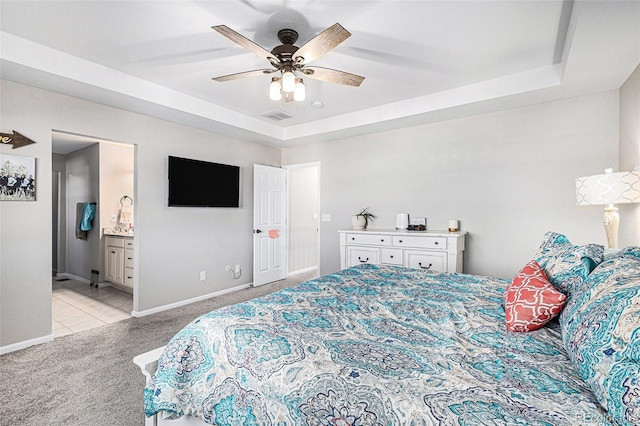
285 51
287 36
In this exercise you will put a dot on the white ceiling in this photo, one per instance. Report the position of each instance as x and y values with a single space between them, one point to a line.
423 60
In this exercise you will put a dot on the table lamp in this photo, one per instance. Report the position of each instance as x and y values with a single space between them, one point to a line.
608 189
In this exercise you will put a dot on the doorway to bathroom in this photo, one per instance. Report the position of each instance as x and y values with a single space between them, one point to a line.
90 178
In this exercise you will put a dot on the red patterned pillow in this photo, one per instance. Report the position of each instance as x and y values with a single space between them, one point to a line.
530 301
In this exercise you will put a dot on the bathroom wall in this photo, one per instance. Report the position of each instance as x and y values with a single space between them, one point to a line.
83 186
58 237
116 180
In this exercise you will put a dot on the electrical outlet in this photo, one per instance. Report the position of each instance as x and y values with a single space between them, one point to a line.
237 269
203 275
228 268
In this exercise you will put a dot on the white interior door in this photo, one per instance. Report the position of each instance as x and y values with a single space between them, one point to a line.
269 224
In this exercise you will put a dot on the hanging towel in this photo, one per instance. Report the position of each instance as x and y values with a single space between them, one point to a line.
274 233
88 213
80 234
126 214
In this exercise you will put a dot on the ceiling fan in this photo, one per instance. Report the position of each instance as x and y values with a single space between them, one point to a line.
289 59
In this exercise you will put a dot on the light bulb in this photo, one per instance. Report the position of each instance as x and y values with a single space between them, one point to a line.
299 91
274 89
288 81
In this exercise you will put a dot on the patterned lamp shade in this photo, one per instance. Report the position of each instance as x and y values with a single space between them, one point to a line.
608 188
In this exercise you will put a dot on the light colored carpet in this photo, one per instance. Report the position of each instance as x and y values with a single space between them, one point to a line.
88 378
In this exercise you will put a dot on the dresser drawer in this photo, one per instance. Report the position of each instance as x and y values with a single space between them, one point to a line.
359 255
432 243
369 239
391 256
425 260
128 243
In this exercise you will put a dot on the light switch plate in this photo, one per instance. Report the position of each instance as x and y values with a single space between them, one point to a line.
326 217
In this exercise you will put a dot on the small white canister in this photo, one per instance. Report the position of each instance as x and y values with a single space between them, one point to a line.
453 226
402 220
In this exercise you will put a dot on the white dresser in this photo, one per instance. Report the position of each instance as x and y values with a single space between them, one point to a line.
439 251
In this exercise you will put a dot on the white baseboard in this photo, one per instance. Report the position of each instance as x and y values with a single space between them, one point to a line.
25 344
188 301
73 277
84 280
302 271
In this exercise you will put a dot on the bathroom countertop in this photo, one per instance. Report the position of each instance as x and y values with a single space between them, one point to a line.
116 233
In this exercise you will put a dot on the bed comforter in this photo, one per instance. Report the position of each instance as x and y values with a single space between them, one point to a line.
371 345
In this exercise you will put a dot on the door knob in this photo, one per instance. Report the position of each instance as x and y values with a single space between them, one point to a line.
257 231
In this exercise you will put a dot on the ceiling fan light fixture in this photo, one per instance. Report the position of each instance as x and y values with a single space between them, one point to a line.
275 93
288 81
299 92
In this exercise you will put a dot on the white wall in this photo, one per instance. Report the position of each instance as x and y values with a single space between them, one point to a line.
630 154
507 176
173 244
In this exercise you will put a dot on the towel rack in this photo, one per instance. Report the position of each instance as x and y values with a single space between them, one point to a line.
124 199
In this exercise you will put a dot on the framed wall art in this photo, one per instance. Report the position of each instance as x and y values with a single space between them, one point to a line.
17 178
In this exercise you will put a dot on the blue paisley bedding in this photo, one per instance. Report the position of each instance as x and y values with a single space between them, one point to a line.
371 345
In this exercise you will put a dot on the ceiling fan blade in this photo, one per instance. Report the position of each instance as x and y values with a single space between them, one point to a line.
333 76
245 42
321 44
245 74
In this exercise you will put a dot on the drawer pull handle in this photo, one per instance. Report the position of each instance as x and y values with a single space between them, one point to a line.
400 241
113 252
436 243
391 256
353 238
363 261
129 258
382 240
425 267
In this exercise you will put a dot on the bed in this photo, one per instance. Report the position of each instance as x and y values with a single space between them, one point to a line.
387 345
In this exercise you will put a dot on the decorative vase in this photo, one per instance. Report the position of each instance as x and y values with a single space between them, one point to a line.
358 222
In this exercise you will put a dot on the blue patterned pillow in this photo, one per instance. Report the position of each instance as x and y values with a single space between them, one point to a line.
601 333
566 265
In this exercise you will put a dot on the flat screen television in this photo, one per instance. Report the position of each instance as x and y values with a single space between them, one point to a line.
195 183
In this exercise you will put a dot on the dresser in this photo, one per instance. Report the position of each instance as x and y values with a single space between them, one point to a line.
439 251
119 261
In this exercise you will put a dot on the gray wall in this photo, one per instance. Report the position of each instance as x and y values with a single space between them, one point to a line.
630 154
303 218
508 177
83 186
173 244
59 165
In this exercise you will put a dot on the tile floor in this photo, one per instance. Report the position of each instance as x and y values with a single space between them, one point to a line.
77 306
